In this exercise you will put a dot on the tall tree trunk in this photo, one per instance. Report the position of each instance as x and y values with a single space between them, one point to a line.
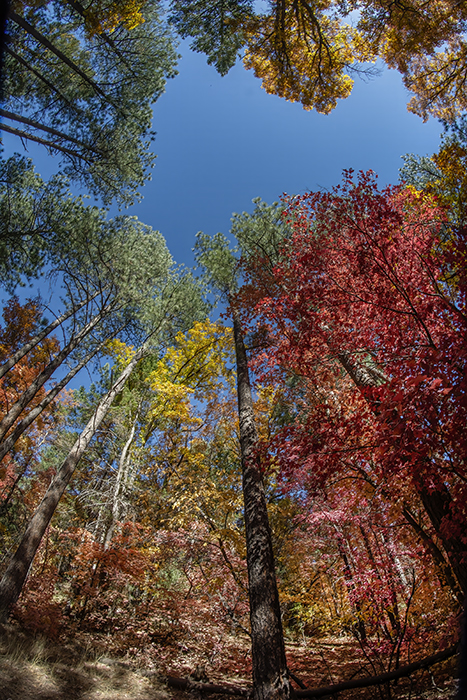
17 570
270 676
119 488
21 22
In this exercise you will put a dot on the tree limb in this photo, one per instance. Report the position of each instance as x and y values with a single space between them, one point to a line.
380 679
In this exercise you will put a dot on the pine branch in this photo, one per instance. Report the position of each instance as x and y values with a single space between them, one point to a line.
37 139
21 22
43 127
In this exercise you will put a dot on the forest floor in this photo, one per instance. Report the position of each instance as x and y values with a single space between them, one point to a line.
34 668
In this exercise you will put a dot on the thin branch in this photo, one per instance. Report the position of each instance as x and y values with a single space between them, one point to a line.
42 127
37 139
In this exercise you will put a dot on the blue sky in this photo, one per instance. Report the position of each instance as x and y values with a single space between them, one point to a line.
223 141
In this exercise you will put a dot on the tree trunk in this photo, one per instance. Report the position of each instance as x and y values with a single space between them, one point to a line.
270 677
43 127
44 142
122 473
16 573
27 347
44 376
437 503
21 22
9 442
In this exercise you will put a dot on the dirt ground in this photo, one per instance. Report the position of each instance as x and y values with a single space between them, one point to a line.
34 668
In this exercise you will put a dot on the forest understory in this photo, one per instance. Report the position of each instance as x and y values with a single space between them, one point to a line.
272 502
34 667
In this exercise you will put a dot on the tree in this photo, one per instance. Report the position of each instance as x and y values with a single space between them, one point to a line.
167 304
363 283
105 268
215 27
21 323
307 51
81 81
17 570
270 676
443 174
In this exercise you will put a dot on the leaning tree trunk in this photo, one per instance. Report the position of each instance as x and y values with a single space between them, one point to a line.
437 504
15 575
270 676
28 395
9 442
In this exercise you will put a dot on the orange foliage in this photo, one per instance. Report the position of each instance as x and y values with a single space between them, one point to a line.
22 322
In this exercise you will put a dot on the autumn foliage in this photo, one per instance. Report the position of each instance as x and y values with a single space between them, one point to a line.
21 323
363 326
356 327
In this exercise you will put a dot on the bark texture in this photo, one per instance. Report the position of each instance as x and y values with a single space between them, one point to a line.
270 676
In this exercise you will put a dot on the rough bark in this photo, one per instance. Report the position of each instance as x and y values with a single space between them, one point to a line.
270 677
438 507
17 570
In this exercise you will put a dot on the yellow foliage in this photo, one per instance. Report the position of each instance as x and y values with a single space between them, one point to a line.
199 357
425 42
121 353
438 82
303 50
107 16
100 15
303 55
171 402
195 367
451 189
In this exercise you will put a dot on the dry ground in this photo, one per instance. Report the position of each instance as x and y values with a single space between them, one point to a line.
34 668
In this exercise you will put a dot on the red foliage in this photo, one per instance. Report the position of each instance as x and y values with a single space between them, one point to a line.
366 274
22 322
364 317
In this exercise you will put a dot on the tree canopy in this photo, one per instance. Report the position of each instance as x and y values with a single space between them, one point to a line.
81 81
307 51
280 494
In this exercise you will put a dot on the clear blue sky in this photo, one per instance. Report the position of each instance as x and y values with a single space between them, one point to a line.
223 141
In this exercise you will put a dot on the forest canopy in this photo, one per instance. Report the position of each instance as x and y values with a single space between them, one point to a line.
263 481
